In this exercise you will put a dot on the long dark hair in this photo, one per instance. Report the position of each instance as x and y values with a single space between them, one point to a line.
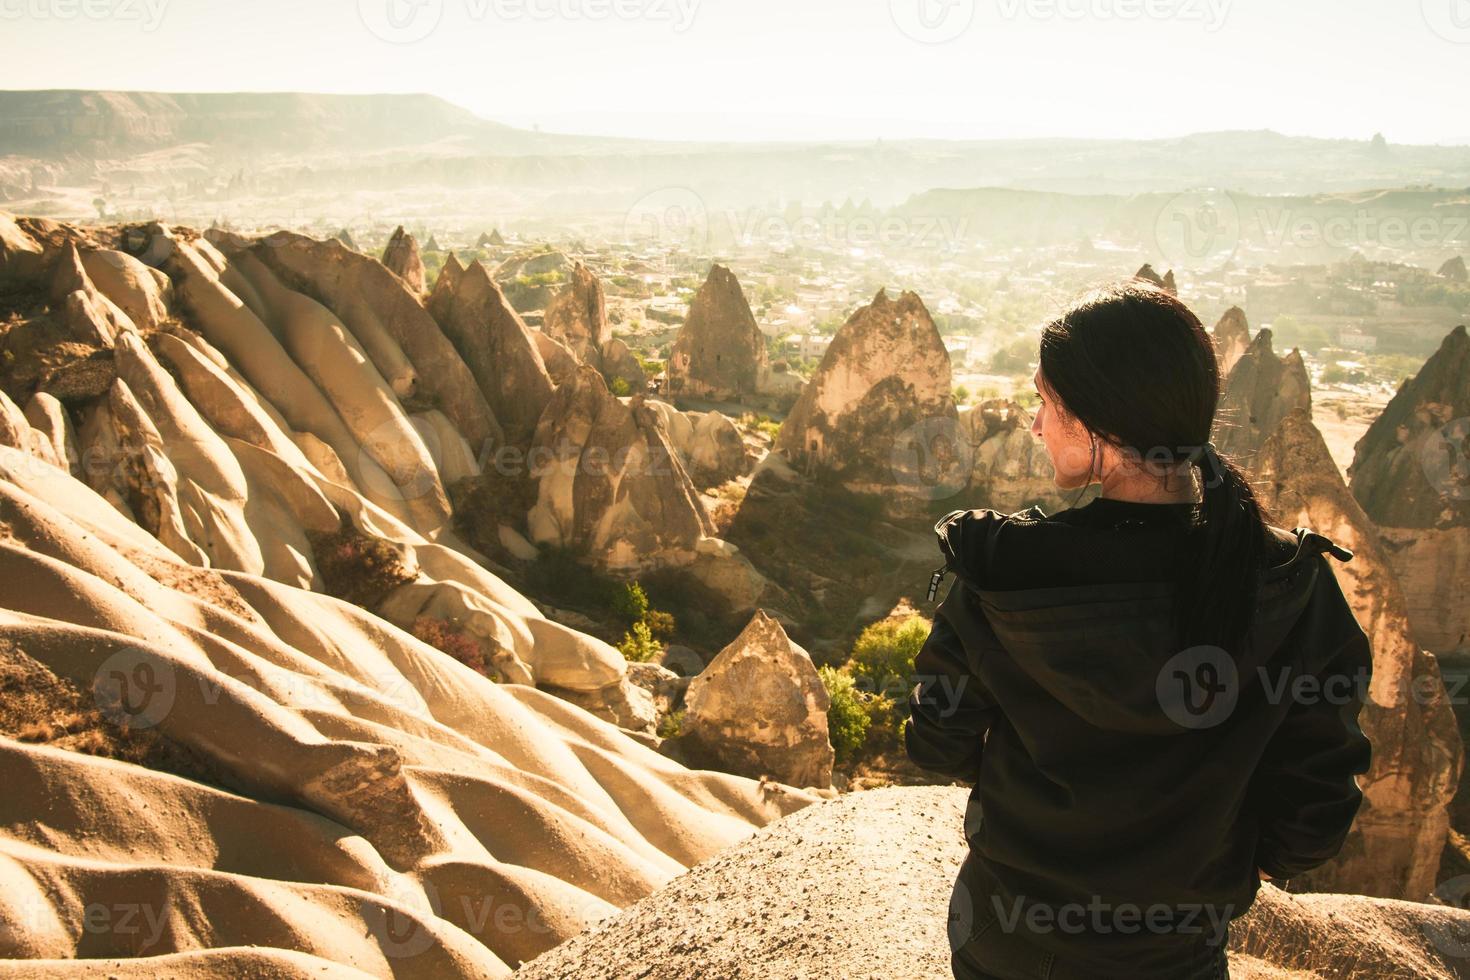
1136 367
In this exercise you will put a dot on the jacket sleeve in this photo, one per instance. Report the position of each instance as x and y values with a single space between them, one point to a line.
1306 784
950 711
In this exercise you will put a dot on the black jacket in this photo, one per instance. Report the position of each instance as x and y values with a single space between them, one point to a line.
1104 771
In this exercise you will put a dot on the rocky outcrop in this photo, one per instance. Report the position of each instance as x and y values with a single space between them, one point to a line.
1009 468
405 344
1395 846
141 293
496 344
1261 390
1411 474
709 443
719 352
1454 270
619 361
880 396
577 316
1232 339
402 258
530 279
863 886
608 484
1170 286
760 709
1147 274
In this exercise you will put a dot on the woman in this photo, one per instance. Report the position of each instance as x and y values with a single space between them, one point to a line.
1155 695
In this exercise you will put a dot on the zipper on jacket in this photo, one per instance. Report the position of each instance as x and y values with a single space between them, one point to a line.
934 581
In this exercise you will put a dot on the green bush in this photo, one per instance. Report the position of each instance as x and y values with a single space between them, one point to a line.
883 656
630 603
661 624
671 724
620 387
638 644
847 721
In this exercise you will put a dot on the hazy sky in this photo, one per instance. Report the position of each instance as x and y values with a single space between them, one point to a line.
798 69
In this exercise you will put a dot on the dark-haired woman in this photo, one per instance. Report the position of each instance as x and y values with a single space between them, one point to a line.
1155 695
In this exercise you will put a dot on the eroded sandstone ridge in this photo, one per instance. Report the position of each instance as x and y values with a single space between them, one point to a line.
719 352
228 562
1411 474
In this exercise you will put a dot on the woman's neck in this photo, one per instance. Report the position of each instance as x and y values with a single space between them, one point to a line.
1172 490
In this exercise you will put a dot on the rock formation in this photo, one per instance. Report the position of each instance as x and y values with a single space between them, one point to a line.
313 781
1169 284
760 709
880 397
1395 847
405 344
709 444
1009 468
608 484
577 316
862 886
1411 474
530 279
1232 339
1260 391
345 237
402 258
1454 270
719 352
1147 274
495 343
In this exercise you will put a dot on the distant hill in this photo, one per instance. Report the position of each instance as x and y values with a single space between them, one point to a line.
116 124
61 148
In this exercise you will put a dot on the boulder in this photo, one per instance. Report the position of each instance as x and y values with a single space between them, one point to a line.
496 345
402 258
715 452
880 397
1411 475
760 710
719 352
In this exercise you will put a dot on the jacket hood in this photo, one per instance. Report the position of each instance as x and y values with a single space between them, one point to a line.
1107 651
